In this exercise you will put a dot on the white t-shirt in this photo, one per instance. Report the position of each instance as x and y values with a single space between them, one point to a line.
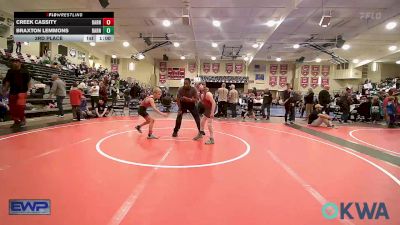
95 90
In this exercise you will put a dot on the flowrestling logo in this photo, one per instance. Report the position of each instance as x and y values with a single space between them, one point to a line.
349 210
29 207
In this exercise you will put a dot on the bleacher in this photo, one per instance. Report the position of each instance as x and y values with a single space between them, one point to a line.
39 73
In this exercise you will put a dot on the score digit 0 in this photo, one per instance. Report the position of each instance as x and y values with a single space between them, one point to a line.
108 21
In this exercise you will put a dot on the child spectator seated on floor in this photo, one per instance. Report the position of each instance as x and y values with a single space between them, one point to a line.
318 117
102 109
85 112
3 107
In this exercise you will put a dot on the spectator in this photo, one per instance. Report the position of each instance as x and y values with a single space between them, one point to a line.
267 100
59 90
127 97
102 109
114 92
10 44
344 103
309 102
222 100
18 49
3 107
85 112
317 117
391 112
324 98
103 91
289 103
385 102
75 97
376 109
233 98
94 94
18 82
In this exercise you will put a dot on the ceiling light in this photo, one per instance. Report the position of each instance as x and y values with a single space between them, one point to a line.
392 48
346 47
140 56
398 62
318 60
246 58
356 61
271 23
166 23
391 25
213 58
183 57
216 23
92 43
125 44
325 21
214 45
278 59
255 45
113 56
296 46
176 44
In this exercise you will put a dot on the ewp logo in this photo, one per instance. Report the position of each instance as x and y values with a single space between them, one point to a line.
29 207
375 211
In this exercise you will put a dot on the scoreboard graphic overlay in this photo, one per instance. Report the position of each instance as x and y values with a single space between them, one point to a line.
64 26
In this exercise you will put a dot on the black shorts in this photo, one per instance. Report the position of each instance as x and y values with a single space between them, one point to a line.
142 111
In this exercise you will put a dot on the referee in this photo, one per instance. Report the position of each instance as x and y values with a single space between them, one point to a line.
186 100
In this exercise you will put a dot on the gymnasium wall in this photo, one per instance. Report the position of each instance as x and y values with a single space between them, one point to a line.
143 71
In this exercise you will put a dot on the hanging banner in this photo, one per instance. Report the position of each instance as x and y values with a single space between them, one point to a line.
260 77
192 67
324 81
315 70
215 67
229 67
304 82
238 68
282 81
325 70
273 68
176 73
305 70
163 66
273 80
283 68
206 67
314 82
114 68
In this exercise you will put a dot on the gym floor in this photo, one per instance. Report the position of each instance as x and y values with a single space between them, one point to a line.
102 171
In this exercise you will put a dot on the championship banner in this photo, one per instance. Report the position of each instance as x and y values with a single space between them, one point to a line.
305 70
314 82
170 73
163 66
192 67
229 67
283 69
238 68
282 81
215 67
273 80
176 73
206 67
315 70
324 81
304 82
114 68
325 70
273 68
